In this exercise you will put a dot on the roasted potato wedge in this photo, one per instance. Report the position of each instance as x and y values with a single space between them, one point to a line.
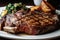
34 8
46 7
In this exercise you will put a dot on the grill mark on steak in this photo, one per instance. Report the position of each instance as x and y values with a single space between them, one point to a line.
31 22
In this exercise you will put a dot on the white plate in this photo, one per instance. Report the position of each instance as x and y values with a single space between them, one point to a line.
49 35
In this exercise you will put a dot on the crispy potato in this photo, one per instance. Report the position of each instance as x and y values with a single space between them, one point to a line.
4 13
34 7
46 7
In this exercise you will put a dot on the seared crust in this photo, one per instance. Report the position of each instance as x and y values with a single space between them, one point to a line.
37 22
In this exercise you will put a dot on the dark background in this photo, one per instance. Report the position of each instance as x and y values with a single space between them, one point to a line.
54 3
27 2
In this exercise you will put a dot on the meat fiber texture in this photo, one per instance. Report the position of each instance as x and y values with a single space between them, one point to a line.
33 23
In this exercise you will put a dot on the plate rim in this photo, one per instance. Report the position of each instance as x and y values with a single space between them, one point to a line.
45 36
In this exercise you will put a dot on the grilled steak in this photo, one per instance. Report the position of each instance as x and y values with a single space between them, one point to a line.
35 22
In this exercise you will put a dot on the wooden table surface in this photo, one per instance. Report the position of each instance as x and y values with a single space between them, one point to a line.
5 2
